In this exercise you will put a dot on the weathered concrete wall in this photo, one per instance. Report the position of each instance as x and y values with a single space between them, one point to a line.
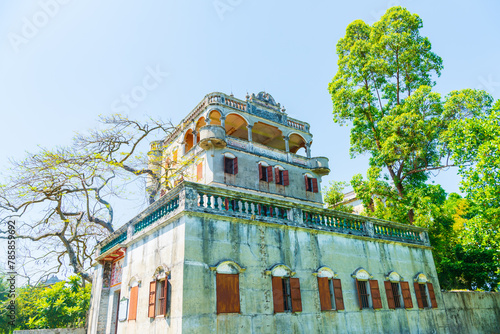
52 331
258 246
472 312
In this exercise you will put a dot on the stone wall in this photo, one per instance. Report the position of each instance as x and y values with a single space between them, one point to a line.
257 246
52 331
472 312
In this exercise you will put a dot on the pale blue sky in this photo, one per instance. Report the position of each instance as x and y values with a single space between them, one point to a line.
83 57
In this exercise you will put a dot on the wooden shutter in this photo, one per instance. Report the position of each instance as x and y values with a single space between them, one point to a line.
325 299
307 183
295 293
286 181
419 295
152 299
235 165
260 172
228 293
224 166
359 295
405 290
337 290
375 292
315 185
277 175
430 287
389 294
226 204
269 173
165 301
199 171
132 307
279 303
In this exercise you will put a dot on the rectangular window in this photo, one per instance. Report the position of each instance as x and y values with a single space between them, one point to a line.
423 295
311 184
161 288
265 173
393 295
286 294
363 294
228 293
281 177
230 165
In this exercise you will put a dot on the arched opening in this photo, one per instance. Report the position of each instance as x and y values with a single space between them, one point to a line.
201 123
214 117
268 135
296 143
188 139
236 126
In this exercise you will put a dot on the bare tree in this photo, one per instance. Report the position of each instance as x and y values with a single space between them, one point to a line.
62 197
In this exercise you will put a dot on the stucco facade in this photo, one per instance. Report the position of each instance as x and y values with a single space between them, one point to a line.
243 206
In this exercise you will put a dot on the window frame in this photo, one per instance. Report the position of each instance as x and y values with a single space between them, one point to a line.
311 184
286 291
227 286
233 168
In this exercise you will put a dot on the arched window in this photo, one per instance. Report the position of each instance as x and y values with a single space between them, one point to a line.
228 286
201 123
268 135
296 142
214 117
188 140
366 288
236 126
286 290
424 291
330 290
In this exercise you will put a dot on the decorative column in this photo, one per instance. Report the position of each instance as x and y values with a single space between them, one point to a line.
308 150
195 138
287 144
223 121
249 127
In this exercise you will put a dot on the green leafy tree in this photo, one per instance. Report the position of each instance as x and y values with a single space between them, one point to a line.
383 87
334 196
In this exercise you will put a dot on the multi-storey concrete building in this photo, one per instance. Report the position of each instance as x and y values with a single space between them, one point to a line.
241 243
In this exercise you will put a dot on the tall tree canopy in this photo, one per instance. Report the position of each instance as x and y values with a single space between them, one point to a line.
383 86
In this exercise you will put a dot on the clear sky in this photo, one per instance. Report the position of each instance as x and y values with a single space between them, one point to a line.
64 62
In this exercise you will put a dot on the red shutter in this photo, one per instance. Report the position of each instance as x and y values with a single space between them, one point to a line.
337 290
199 171
419 295
132 308
295 293
226 204
269 173
375 292
430 287
235 165
405 290
165 293
277 175
279 304
315 185
359 295
152 299
260 172
286 182
389 294
228 293
307 183
325 299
